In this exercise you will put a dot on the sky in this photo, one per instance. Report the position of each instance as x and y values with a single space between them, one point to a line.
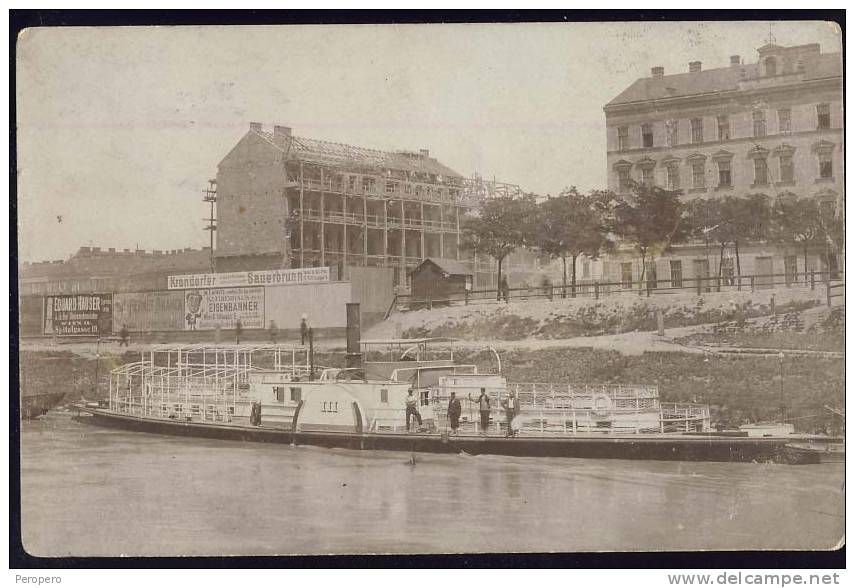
119 129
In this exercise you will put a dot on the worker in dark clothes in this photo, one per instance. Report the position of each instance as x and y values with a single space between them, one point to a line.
274 332
506 290
454 411
484 408
123 336
238 331
413 409
512 408
304 330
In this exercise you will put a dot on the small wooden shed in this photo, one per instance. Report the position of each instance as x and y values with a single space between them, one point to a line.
435 278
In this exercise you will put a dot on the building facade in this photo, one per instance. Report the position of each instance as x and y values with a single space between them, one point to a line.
93 269
288 201
774 126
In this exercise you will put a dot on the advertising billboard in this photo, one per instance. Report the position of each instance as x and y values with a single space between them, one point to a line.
307 275
78 314
207 309
148 311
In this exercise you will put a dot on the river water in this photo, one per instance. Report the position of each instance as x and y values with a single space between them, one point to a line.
87 490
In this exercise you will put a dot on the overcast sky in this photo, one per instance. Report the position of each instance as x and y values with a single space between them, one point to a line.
119 128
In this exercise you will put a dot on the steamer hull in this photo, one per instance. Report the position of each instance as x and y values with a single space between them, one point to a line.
668 447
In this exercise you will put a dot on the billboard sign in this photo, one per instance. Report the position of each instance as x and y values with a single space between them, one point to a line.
148 311
78 314
207 309
306 275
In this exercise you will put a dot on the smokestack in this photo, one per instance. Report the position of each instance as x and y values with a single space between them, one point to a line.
735 60
694 66
657 72
353 357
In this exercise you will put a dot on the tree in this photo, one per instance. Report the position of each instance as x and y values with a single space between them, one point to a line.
798 221
651 218
749 218
570 225
503 225
706 222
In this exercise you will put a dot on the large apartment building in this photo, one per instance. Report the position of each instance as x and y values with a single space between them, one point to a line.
289 201
772 126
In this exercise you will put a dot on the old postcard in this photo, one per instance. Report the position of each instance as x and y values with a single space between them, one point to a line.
431 288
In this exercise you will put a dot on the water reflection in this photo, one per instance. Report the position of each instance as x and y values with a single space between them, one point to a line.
95 491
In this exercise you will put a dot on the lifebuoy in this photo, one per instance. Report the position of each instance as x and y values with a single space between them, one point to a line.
601 405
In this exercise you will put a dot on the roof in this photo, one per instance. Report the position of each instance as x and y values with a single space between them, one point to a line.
723 79
338 154
420 341
450 266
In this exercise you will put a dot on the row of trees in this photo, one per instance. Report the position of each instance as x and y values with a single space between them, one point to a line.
651 219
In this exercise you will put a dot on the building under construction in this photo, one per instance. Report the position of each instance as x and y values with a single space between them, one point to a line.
287 201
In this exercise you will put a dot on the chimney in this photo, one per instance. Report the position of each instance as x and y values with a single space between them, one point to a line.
280 132
254 126
735 61
353 357
657 72
425 152
694 66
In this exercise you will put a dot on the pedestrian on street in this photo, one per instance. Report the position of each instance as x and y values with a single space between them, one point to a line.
506 290
454 411
123 336
238 331
484 408
274 332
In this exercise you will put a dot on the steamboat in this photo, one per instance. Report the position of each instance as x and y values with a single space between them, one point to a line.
276 394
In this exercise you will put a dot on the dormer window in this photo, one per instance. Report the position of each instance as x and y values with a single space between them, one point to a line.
771 66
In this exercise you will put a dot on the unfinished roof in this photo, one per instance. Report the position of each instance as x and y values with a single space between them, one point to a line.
450 266
723 79
341 154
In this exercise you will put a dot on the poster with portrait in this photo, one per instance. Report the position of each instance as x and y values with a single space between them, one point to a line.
208 309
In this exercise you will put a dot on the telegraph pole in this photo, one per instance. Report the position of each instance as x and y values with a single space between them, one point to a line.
210 196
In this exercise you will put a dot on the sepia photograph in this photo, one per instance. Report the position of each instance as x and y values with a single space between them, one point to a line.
430 288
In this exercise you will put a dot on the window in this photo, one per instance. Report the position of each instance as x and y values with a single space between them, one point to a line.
626 275
279 393
771 66
671 130
727 271
384 395
826 170
761 171
296 394
647 176
823 116
786 162
673 176
624 179
759 123
698 175
790 269
646 135
697 130
677 274
622 138
723 127
724 174
586 269
650 275
424 397
785 120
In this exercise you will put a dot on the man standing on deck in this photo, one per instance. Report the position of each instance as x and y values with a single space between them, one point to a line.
512 409
304 329
454 411
484 408
413 409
